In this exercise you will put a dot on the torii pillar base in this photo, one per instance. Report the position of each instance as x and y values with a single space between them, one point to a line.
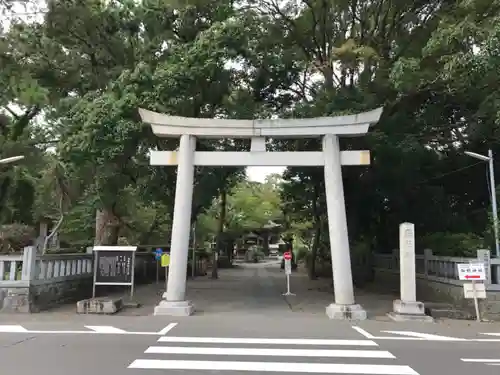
408 312
174 308
345 312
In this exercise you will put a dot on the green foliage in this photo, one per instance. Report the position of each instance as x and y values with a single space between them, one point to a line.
250 206
301 253
14 237
453 244
73 82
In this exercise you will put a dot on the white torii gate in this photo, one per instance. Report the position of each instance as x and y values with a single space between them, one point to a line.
331 158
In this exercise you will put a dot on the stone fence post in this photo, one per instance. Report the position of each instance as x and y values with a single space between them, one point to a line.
29 263
484 256
427 257
395 259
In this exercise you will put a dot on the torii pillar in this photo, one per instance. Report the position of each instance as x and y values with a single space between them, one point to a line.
331 158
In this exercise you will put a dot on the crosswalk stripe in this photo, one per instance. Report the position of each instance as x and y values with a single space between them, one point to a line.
105 329
12 328
270 352
264 341
289 367
426 336
479 360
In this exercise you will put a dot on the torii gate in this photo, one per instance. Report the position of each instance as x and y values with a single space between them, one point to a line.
331 158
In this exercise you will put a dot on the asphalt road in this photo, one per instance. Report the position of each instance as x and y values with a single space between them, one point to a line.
243 345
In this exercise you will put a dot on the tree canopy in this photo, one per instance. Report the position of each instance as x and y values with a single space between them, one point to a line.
73 76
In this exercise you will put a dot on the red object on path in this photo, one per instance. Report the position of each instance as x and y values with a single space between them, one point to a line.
472 276
287 255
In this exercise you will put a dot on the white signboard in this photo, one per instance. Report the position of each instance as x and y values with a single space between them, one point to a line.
471 271
288 266
469 290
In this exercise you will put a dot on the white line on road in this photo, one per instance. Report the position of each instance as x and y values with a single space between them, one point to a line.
270 352
286 367
363 332
419 336
426 336
167 329
106 329
12 328
237 340
491 333
95 330
477 360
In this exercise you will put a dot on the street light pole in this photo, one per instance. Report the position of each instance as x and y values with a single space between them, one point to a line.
494 210
494 201
11 160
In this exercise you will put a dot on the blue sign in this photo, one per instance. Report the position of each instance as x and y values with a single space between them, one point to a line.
158 253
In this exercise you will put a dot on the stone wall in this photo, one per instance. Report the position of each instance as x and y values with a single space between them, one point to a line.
429 290
15 300
41 296
48 295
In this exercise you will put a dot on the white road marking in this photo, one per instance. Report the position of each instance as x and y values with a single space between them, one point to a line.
167 329
237 340
363 332
287 367
491 333
477 360
106 329
270 352
426 336
12 328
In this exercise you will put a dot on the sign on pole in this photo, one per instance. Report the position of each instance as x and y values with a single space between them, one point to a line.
287 256
469 290
158 253
114 265
473 272
288 262
165 260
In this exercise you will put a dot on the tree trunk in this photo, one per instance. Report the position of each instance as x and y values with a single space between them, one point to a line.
314 252
220 231
317 234
107 228
265 243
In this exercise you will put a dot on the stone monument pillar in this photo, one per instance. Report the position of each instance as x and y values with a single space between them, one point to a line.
408 308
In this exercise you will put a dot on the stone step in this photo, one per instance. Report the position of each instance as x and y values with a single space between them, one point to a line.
101 305
448 313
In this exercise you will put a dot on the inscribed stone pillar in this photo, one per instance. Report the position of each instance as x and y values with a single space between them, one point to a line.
408 308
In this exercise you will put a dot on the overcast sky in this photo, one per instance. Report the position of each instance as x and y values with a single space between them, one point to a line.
259 173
